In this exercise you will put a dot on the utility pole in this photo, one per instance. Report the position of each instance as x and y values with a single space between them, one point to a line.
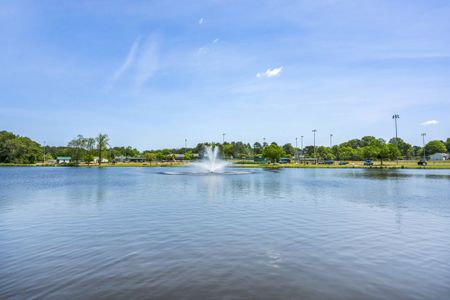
314 131
395 117
331 140
423 142
301 145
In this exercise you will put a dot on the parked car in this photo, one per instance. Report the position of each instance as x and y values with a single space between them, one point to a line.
422 162
343 163
284 160
329 162
368 162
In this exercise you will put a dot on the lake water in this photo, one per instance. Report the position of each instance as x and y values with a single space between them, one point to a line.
133 233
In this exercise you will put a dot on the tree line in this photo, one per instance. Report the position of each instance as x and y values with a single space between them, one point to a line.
22 150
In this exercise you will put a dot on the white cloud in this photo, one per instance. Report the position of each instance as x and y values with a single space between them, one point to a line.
274 72
430 122
200 21
203 50
147 62
129 60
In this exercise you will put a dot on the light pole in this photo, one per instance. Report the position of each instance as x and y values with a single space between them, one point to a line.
296 150
423 142
185 145
223 138
395 117
314 131
331 140
301 142
264 142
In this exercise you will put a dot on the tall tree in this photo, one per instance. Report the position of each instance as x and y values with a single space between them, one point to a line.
289 149
273 152
435 147
102 143
77 146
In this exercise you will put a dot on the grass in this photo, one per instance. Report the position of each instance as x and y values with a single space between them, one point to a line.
402 164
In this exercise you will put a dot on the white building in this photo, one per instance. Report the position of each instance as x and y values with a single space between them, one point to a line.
439 156
63 159
104 160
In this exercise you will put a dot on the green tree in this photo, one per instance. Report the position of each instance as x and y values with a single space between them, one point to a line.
88 158
273 152
89 147
18 149
77 146
257 148
289 149
346 152
387 151
369 152
149 156
102 144
188 155
325 153
227 150
308 151
406 149
435 147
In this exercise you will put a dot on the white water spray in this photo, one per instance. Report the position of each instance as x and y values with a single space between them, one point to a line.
211 163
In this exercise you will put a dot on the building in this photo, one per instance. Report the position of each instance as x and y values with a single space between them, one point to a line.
439 156
63 159
104 160
126 159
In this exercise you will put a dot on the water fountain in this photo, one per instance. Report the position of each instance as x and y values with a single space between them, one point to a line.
211 163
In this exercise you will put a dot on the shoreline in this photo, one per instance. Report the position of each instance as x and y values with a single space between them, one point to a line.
442 165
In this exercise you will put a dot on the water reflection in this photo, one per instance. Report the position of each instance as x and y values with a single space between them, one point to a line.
133 232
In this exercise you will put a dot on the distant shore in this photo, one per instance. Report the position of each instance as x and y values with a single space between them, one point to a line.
445 164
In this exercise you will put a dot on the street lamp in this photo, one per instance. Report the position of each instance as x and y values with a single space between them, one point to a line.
314 131
185 145
395 117
296 150
223 138
264 141
423 142
331 140
301 143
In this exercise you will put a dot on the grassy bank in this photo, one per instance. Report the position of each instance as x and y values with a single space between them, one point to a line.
241 164
353 164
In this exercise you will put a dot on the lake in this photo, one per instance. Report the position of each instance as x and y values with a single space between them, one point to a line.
133 233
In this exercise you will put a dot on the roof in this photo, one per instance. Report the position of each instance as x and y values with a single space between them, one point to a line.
63 157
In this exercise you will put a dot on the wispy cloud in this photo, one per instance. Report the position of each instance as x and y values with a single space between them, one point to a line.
430 122
206 48
273 72
200 21
139 65
147 62
127 63
128 60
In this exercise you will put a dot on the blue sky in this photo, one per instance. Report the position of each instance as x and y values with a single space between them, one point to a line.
152 73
